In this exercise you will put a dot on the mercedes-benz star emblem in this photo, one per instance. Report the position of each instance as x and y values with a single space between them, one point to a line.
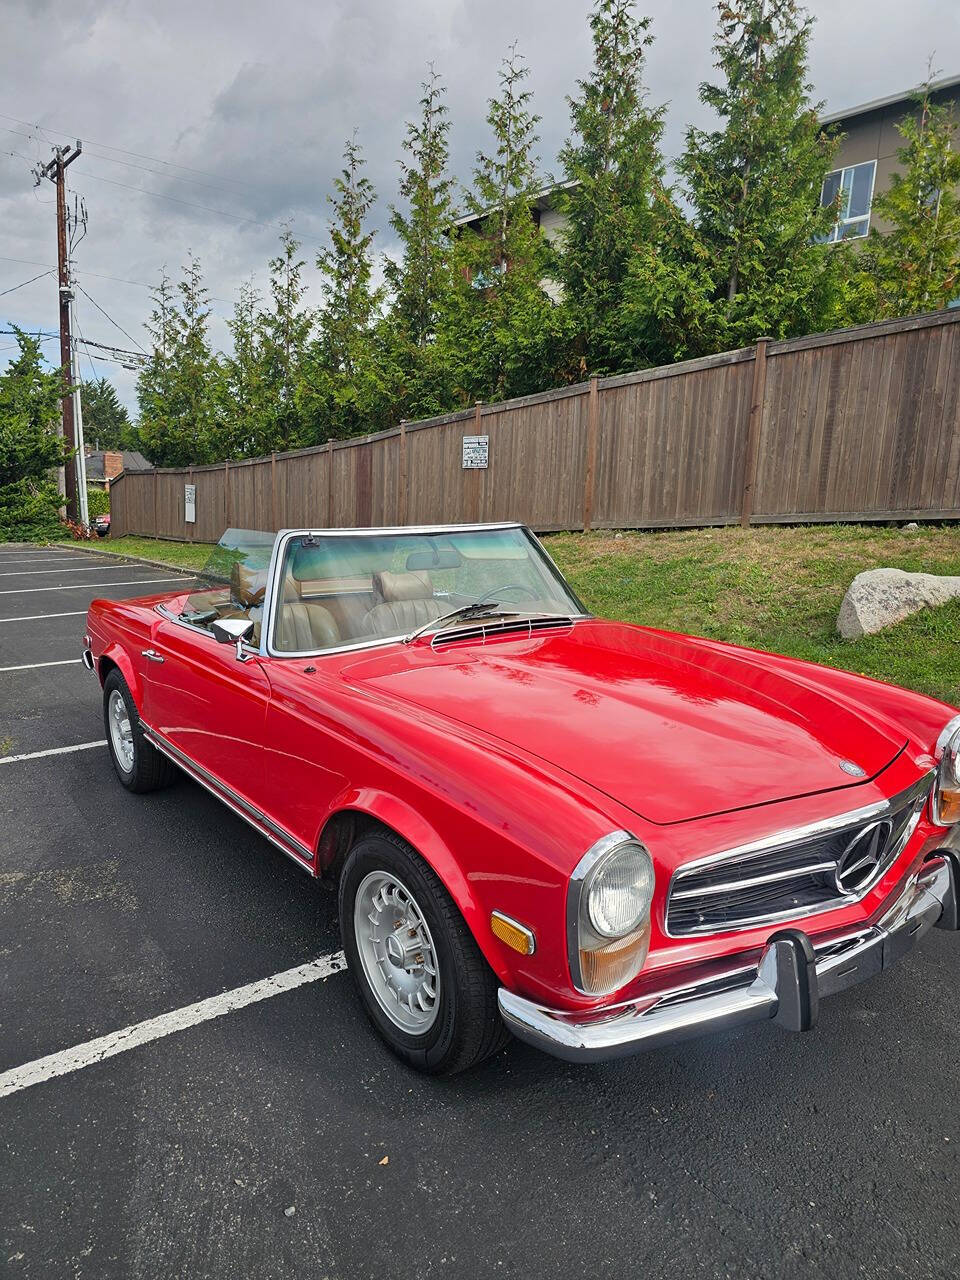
859 861
854 770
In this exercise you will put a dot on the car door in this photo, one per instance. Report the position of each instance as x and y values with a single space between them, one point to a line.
210 706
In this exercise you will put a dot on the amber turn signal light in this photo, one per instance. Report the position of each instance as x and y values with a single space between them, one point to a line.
949 807
514 934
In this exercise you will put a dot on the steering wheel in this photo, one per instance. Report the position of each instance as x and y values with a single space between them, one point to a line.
496 592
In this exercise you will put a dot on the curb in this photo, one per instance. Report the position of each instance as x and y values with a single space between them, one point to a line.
122 557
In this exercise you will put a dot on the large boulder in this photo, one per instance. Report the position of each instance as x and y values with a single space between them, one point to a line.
881 597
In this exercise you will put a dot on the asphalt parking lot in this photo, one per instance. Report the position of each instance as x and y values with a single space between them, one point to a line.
832 1154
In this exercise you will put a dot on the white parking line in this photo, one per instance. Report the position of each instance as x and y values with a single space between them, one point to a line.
131 582
84 568
30 666
53 751
43 559
35 617
108 1046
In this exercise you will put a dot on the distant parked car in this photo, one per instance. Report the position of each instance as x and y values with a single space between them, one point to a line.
101 525
601 836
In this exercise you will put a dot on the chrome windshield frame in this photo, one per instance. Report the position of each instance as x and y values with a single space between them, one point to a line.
273 593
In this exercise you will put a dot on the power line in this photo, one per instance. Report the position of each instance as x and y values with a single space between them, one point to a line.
139 155
190 204
26 282
111 319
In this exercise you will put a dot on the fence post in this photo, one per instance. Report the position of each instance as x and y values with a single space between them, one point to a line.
329 484
190 531
751 456
226 496
402 495
590 466
156 525
273 491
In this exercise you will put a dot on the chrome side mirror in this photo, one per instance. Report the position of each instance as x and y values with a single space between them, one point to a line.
233 631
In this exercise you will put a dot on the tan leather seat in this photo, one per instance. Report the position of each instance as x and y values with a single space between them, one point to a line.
306 625
303 625
407 602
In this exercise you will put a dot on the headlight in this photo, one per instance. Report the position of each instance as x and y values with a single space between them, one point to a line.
946 788
608 914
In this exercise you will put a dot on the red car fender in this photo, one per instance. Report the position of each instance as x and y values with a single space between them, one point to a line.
116 654
414 828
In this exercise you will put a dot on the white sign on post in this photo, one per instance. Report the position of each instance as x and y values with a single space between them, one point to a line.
190 503
476 453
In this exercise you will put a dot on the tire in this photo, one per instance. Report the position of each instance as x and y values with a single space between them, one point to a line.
461 1025
144 768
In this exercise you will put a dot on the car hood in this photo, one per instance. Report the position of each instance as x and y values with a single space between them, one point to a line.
669 726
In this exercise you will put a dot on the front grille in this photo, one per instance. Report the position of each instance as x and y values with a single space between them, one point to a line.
755 885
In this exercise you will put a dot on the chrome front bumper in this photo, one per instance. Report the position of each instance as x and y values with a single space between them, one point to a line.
785 986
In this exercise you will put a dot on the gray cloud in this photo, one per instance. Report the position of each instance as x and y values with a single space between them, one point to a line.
260 98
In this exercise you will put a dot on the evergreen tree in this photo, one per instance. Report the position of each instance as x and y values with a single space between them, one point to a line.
284 333
423 279
243 419
346 387
30 447
106 423
754 183
915 266
502 332
615 173
178 390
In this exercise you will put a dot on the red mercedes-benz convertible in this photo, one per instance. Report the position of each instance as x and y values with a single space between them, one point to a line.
597 835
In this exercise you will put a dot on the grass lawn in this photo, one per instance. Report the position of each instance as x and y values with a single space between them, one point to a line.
185 555
769 588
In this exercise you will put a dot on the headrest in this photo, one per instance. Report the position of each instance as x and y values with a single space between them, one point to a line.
247 586
403 586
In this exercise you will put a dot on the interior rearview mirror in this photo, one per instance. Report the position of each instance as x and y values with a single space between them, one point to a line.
233 631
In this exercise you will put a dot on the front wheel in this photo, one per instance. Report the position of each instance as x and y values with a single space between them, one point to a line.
138 764
421 977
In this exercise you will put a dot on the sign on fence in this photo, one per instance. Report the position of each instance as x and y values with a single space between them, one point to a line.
476 453
190 503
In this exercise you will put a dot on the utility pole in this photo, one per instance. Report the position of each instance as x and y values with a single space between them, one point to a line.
55 170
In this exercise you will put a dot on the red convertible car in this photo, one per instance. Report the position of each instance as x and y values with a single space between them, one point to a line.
599 836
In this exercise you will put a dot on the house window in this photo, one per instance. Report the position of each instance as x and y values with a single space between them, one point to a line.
852 191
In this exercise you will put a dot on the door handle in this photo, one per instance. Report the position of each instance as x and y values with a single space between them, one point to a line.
151 655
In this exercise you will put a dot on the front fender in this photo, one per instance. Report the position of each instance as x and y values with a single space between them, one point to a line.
411 825
117 656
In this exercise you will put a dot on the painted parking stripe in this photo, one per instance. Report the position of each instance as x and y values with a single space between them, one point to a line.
46 559
31 666
35 617
84 568
191 1015
53 751
131 582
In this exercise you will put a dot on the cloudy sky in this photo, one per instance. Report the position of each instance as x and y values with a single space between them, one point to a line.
205 126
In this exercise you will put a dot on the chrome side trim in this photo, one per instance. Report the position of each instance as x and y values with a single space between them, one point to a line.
286 843
785 984
914 794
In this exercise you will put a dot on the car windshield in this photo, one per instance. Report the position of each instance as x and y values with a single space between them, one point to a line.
233 581
343 589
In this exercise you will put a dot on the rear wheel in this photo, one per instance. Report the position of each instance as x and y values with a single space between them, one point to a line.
421 976
138 764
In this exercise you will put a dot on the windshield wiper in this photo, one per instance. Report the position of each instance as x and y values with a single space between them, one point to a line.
465 611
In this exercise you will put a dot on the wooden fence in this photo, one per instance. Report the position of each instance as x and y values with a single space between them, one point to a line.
861 424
